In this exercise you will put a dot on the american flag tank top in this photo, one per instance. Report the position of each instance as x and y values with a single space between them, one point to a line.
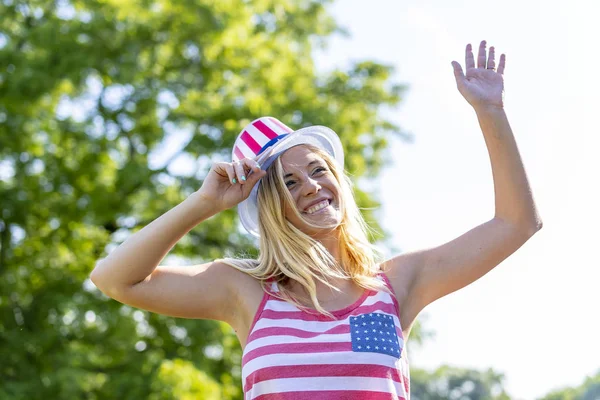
293 354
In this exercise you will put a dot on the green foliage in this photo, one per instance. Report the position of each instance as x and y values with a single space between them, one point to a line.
588 390
90 92
179 379
457 383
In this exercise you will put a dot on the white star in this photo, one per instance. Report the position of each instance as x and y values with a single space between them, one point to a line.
381 332
362 316
357 338
368 347
364 323
374 330
376 348
356 331
367 338
366 331
375 338
385 348
359 347
372 323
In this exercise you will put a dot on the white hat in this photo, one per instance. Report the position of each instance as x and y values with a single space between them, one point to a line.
265 139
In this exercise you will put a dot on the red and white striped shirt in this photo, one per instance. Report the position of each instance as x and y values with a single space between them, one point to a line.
295 355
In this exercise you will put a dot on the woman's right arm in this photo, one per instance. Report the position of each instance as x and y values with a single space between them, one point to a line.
130 274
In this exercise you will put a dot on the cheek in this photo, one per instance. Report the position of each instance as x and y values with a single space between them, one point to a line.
289 207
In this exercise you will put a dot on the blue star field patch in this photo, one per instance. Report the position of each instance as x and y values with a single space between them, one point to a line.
375 333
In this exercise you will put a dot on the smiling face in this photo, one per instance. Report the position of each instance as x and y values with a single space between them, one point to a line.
314 191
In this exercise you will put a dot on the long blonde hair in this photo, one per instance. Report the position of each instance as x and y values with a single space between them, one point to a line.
286 253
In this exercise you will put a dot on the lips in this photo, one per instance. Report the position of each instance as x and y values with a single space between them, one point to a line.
314 203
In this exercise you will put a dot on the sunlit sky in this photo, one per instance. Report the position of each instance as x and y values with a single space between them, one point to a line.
535 317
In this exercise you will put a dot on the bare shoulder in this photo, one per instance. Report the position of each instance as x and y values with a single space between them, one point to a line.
401 271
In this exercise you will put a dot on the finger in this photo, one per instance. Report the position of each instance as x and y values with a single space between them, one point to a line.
491 63
458 73
239 172
481 55
469 60
502 64
255 175
250 166
225 168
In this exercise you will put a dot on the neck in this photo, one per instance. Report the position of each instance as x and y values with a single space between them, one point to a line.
331 242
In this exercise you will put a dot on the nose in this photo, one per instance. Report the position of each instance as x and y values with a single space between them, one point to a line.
310 186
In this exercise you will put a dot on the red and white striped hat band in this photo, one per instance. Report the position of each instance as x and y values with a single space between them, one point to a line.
258 136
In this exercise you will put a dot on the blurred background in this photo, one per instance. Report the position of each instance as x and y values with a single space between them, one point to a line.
111 113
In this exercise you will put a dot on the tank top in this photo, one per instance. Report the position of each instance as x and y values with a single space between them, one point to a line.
293 354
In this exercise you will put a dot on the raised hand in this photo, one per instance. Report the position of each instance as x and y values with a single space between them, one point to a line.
228 184
482 86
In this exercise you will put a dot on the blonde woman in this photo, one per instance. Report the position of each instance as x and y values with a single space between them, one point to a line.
318 315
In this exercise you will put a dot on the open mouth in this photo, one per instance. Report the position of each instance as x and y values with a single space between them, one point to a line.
318 207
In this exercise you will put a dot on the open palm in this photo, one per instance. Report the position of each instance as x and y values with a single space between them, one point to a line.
482 86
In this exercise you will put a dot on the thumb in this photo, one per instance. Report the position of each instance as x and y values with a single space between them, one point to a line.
458 73
255 176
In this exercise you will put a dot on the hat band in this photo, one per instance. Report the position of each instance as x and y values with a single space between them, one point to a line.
271 143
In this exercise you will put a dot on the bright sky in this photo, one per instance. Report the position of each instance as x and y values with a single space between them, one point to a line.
535 317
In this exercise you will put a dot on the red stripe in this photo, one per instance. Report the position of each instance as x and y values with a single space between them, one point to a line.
330 395
281 125
339 329
268 132
296 348
321 370
250 142
238 153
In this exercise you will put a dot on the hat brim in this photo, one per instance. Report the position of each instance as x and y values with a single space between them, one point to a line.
319 136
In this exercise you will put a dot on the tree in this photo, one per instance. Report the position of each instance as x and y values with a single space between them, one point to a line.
89 93
457 384
588 390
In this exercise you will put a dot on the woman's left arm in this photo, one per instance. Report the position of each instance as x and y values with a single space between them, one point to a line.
429 274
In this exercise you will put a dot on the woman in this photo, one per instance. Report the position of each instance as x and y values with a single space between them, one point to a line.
306 310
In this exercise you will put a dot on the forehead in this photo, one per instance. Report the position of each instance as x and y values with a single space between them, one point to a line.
298 156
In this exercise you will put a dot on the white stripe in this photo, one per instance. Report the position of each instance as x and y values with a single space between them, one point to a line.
328 383
245 149
257 135
333 358
308 326
288 339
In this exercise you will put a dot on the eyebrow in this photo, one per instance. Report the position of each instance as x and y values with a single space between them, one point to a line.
309 164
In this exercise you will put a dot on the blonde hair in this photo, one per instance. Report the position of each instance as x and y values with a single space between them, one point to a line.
286 253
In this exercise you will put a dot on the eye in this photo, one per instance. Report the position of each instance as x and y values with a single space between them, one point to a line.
290 183
319 169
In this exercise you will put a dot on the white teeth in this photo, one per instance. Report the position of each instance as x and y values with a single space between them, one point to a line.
318 207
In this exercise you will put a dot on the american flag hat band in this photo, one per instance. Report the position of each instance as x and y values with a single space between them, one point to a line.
265 139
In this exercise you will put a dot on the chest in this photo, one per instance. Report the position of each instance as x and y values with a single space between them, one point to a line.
287 345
